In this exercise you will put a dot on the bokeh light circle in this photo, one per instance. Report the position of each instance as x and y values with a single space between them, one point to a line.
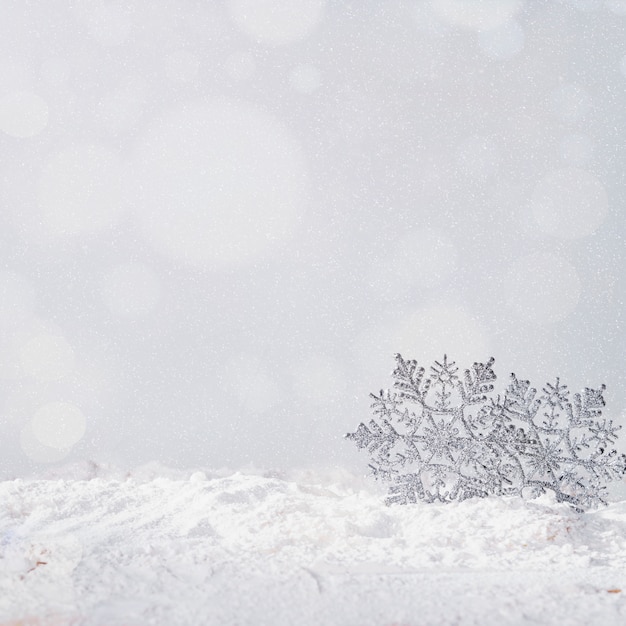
58 425
219 183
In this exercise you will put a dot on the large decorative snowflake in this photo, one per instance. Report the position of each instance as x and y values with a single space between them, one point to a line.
445 436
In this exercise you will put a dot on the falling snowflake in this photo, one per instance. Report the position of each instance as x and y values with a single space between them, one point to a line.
443 437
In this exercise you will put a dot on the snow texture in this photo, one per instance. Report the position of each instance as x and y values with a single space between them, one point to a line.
445 437
96 547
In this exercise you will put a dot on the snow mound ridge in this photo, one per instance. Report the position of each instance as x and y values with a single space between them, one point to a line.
71 547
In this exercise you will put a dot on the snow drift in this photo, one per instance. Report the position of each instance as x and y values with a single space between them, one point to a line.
319 547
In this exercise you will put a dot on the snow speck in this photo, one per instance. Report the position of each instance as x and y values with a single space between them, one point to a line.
47 357
276 22
542 288
193 204
622 65
130 290
22 114
58 425
305 78
569 203
478 15
503 42
80 190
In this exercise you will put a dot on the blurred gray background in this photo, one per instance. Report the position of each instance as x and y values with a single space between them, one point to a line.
219 220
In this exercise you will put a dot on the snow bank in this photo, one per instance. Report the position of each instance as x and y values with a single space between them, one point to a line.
159 547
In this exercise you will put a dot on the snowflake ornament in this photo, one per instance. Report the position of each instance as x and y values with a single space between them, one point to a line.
445 436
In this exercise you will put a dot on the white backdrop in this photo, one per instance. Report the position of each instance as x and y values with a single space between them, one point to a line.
219 220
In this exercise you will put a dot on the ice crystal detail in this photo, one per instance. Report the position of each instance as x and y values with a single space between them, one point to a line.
444 436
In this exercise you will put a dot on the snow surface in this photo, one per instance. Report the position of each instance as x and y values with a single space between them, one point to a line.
155 546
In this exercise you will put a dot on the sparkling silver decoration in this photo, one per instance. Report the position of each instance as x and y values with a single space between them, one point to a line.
445 436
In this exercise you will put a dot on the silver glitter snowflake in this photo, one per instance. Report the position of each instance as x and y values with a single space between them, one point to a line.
445 436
